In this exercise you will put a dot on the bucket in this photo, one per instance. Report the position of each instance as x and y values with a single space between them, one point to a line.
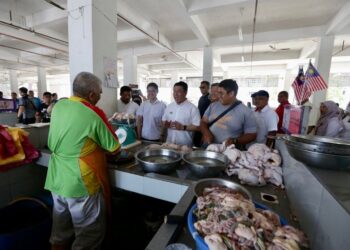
25 224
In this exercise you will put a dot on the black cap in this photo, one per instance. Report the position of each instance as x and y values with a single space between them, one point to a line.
262 93
253 95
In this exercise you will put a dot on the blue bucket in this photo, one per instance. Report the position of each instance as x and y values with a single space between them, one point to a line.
25 224
200 243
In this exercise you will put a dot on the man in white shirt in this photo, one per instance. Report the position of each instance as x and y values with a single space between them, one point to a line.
125 104
181 117
149 115
266 118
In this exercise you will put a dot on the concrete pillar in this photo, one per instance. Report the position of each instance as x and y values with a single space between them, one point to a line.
92 29
13 81
225 75
208 64
323 65
288 80
130 68
174 77
42 87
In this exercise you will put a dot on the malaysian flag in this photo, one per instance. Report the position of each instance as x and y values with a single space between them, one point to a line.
314 80
300 89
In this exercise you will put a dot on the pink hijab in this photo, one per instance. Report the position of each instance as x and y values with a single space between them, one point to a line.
332 111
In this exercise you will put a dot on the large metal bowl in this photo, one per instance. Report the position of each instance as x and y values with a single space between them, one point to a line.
321 144
158 160
319 160
217 182
326 149
205 163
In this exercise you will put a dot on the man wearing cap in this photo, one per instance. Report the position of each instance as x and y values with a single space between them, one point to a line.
266 118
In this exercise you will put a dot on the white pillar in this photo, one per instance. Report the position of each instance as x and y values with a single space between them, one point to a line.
130 68
288 80
13 80
92 29
208 64
174 77
225 75
42 87
323 65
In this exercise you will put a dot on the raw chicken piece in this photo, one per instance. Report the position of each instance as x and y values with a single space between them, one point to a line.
258 150
272 160
215 242
232 153
262 222
219 148
292 233
185 149
231 170
285 244
251 177
154 146
245 232
274 176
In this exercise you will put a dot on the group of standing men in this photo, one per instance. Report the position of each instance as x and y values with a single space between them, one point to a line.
80 135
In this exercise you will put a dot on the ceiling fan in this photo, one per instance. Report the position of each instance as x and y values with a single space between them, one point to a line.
274 48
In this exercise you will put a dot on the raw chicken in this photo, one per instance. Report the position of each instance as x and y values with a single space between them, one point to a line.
232 153
258 150
219 148
251 177
215 242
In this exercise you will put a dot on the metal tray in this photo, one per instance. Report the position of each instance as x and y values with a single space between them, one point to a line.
205 163
212 182
158 160
320 140
319 160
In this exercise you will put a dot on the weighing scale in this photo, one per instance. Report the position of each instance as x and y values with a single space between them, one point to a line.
126 133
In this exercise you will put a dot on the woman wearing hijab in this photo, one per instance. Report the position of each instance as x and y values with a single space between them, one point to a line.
329 123
345 134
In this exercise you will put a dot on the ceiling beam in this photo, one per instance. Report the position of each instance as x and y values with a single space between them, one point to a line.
262 56
339 21
170 66
138 21
45 17
307 51
130 35
203 6
260 38
27 36
194 22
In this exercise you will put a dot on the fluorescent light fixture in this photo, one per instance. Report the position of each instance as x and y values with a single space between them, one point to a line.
242 58
240 34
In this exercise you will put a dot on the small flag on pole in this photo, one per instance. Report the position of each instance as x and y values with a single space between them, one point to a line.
300 89
314 80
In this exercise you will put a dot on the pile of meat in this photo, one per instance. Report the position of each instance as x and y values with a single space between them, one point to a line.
122 117
227 220
172 146
257 166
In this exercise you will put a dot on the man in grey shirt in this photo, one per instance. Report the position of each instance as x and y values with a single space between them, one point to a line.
238 126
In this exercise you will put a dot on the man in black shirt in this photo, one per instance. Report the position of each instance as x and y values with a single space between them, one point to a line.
203 104
204 101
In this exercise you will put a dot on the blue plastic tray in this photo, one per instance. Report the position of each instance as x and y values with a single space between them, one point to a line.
200 243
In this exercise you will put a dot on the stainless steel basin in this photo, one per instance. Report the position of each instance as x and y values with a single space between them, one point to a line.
217 182
319 160
158 160
205 163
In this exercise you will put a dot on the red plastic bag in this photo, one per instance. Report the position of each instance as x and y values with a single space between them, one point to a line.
27 153
7 144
